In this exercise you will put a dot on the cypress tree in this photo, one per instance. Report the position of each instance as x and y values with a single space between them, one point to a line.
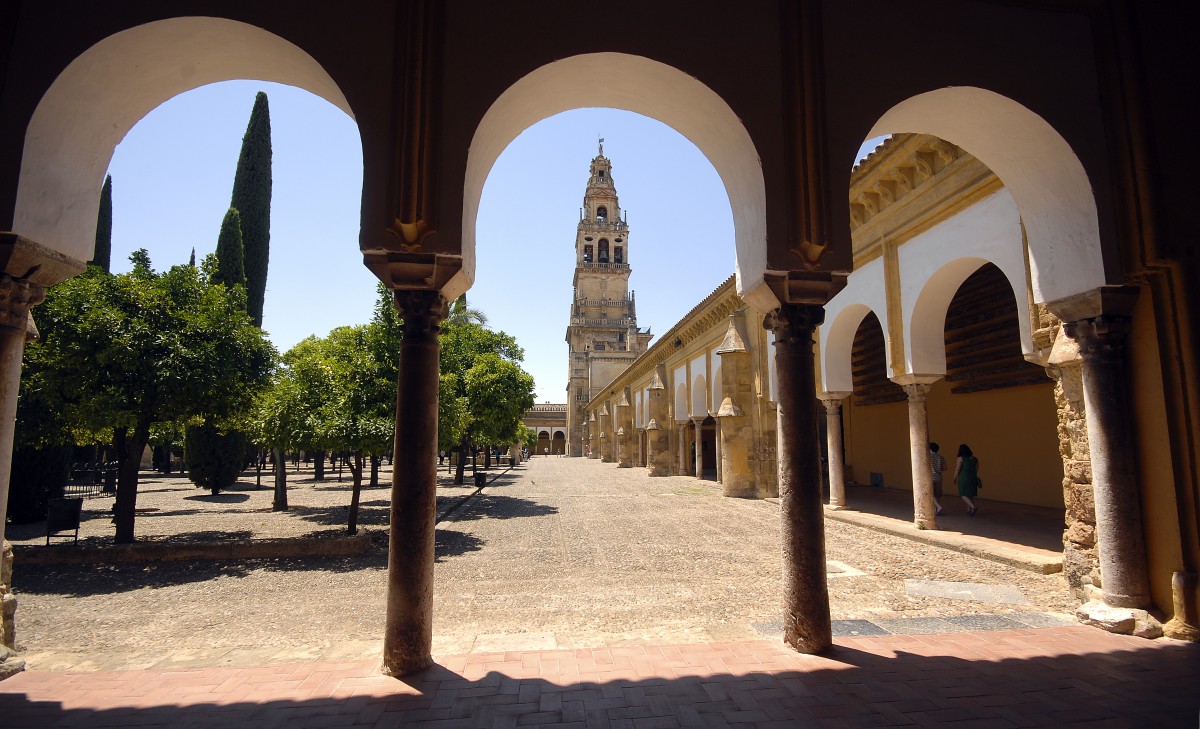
102 256
230 268
252 199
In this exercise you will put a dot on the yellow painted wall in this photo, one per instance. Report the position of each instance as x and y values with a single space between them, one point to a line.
1013 432
876 439
1159 511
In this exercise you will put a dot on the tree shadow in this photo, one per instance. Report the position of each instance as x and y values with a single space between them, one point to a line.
498 506
449 543
221 498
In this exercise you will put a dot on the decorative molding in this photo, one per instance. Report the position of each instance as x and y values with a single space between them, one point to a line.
419 69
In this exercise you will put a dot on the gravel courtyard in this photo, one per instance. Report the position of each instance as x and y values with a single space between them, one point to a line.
558 552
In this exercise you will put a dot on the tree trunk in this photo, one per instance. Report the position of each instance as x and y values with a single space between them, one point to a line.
464 450
356 473
487 457
129 453
258 466
280 502
319 465
375 461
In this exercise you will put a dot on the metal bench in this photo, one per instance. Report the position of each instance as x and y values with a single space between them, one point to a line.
62 515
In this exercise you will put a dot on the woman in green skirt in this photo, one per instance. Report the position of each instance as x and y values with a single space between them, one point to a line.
966 475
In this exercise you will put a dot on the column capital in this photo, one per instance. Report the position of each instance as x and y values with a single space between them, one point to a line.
793 324
836 396
422 311
917 391
17 297
1101 336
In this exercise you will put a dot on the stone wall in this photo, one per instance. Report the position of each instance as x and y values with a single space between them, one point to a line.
1080 556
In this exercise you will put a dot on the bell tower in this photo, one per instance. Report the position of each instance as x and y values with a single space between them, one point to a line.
603 336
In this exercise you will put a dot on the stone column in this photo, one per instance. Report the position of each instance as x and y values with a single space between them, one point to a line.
593 429
17 296
833 443
623 422
658 451
924 512
27 269
806 622
608 440
720 455
408 636
1101 335
699 459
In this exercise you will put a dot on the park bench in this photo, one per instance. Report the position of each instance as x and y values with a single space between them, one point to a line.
62 515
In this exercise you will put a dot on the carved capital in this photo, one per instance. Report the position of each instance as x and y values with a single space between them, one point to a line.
422 312
17 297
794 324
917 391
1100 337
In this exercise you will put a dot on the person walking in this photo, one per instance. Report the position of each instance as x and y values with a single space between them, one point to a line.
937 463
966 475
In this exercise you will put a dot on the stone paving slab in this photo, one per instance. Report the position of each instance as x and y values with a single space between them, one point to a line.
974 591
1020 678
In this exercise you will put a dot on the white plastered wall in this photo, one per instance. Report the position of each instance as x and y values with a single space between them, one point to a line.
935 263
864 293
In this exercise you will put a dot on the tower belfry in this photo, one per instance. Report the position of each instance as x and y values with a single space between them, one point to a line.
603 336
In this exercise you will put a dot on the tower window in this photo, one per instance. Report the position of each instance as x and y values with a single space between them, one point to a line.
587 254
603 250
618 254
601 213
600 173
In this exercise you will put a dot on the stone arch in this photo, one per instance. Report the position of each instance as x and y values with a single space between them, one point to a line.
837 343
644 86
681 401
927 321
1038 167
105 91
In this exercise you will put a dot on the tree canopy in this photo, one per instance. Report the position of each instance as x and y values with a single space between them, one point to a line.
252 199
130 350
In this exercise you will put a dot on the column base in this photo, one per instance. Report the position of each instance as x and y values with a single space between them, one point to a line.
1123 621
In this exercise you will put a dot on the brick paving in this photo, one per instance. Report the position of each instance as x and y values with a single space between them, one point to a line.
1025 678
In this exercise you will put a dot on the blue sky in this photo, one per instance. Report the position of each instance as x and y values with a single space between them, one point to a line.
173 173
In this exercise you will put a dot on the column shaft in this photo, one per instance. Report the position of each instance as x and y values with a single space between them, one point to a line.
16 298
408 636
918 448
833 442
699 459
806 622
1114 468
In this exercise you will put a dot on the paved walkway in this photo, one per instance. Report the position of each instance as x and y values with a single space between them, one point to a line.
572 593
1036 678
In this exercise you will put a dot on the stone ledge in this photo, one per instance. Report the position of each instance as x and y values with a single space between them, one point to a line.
1021 559
166 551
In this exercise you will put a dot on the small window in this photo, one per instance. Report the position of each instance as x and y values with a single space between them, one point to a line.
621 337
601 213
600 173
599 347
618 254
587 254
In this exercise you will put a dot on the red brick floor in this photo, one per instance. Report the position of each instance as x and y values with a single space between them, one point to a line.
1024 678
